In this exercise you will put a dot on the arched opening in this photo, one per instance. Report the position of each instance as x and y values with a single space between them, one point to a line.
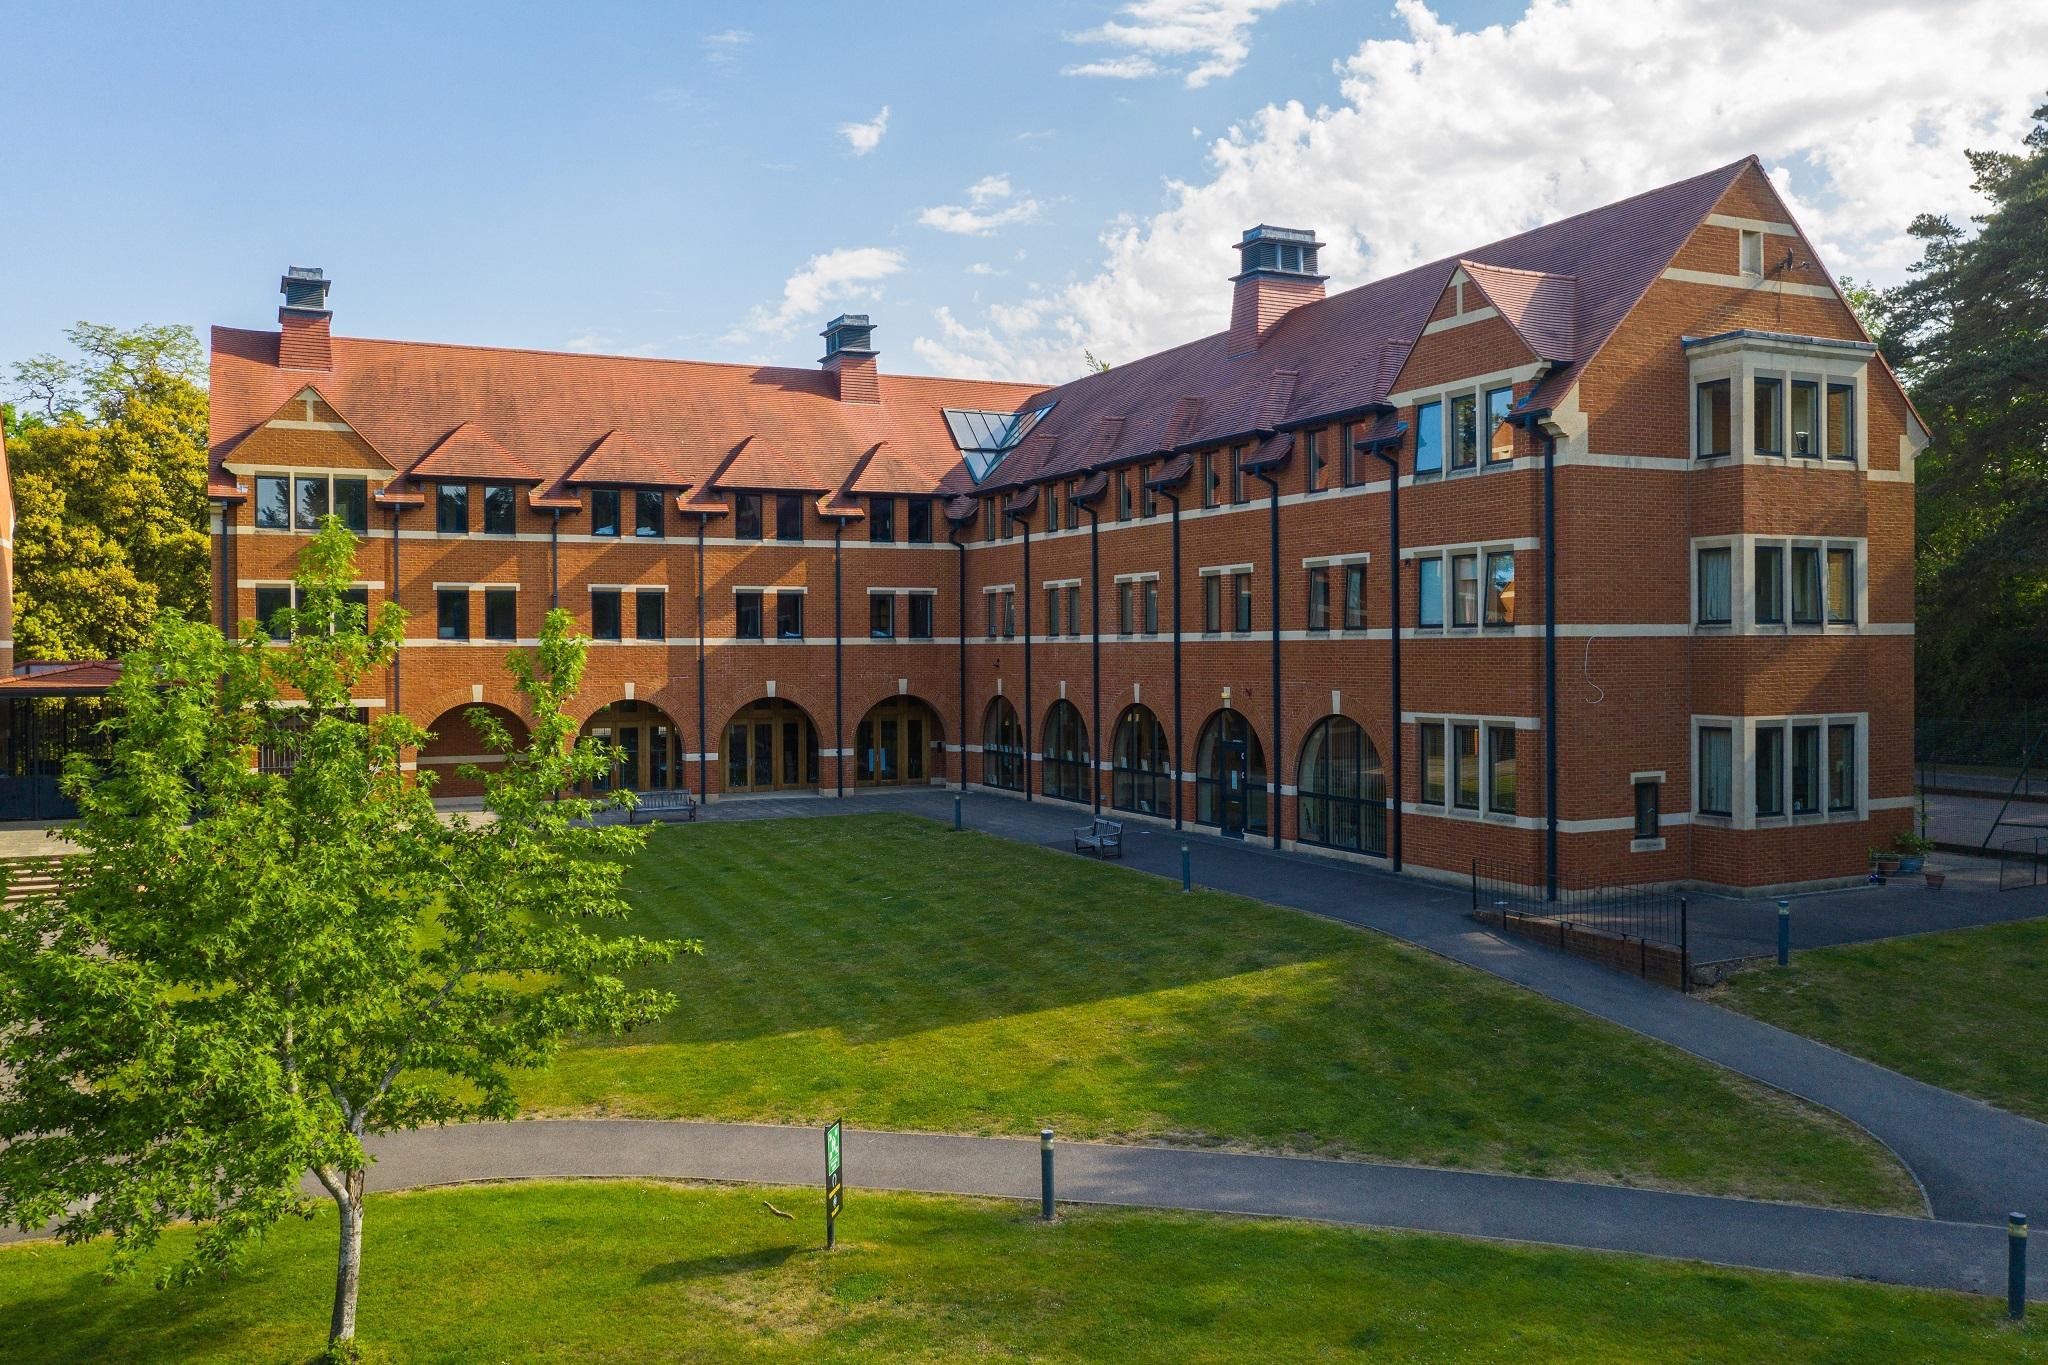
770 745
1342 801
1002 747
899 741
650 747
1064 754
457 742
1141 764
1230 776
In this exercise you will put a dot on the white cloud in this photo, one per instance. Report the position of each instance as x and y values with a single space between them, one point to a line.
845 275
984 268
981 215
1214 35
865 137
723 48
1446 139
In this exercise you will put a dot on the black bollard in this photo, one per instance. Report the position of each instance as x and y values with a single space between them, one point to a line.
1784 932
956 810
2015 1265
1045 1174
1187 869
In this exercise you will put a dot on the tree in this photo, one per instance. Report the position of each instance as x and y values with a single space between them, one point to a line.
109 470
1969 332
271 946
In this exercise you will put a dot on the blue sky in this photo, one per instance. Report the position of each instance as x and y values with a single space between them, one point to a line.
676 180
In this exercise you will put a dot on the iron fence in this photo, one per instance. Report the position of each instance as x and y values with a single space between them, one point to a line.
2023 862
1631 920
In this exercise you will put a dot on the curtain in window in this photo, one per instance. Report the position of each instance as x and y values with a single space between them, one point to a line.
1714 586
1717 771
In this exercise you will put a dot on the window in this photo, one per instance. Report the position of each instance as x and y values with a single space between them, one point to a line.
1770 585
1002 747
650 615
1752 258
746 610
1052 610
746 517
647 514
1312 459
1500 588
269 602
1211 480
451 613
1429 439
1464 590
1212 602
1125 617
604 614
500 508
1714 604
1648 817
789 616
1073 609
1354 458
352 503
1230 775
1319 598
1343 793
1242 592
920 514
921 615
1841 422
1009 597
1500 762
273 502
882 520
1841 587
1806 770
1768 414
1717 770
1354 597
789 516
1805 585
1500 436
1237 474
1123 494
604 511
356 597
1067 769
1149 592
451 509
1770 771
1141 765
991 520
501 614
1073 507
881 616
1432 736
1148 499
1713 423
995 607
1465 766
309 502
1805 418
1841 767
1464 431
1052 507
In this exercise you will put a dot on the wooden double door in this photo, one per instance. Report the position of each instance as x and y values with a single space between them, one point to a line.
894 743
770 746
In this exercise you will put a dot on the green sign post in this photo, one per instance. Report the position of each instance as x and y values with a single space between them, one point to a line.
835 1191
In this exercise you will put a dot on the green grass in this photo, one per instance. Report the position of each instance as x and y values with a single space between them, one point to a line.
888 970
632 1272
1960 1009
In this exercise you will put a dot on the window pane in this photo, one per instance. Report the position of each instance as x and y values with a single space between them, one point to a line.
1354 596
1319 599
746 516
1770 771
451 508
273 502
604 511
500 502
1465 590
1500 755
789 517
352 503
650 612
500 613
1009 615
747 615
1770 585
1715 424
1805 769
1717 770
1842 586
1465 765
1464 431
1312 458
1432 763
1500 589
1769 417
604 613
1429 592
882 519
310 500
1212 602
1647 814
1073 609
1151 588
789 615
921 616
1244 600
1429 438
269 602
881 615
1805 585
920 521
1841 422
647 513
1713 586
1805 417
1500 436
1841 767
451 613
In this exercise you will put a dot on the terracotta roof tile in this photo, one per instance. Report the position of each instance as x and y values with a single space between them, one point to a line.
470 452
79 675
618 458
1543 309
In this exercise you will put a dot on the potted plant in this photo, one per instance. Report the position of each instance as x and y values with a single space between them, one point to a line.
1887 862
1913 850
1934 878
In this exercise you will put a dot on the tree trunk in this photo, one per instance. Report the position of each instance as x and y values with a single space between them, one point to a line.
349 1264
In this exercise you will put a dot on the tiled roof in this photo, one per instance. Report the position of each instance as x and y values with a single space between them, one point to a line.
618 458
549 410
470 452
1543 309
83 675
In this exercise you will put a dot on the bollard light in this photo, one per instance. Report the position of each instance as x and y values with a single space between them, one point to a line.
2015 1265
1784 932
1045 1174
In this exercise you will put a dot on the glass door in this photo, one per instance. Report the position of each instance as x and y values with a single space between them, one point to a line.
1230 756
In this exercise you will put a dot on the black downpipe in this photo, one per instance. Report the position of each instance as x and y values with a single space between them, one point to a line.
397 692
953 538
703 737
1276 762
1393 464
1094 658
838 666
1174 498
1024 591
1550 663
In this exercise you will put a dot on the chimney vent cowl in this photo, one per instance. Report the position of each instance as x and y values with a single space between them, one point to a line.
304 320
305 291
1277 274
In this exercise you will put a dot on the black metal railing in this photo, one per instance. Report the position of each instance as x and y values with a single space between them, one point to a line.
2022 862
1644 916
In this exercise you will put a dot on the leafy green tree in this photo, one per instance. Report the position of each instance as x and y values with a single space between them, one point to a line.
108 455
1970 334
272 946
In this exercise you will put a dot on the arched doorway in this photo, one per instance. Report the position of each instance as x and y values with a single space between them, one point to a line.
1342 801
899 741
457 742
770 745
650 747
1064 754
1141 764
1002 747
1230 776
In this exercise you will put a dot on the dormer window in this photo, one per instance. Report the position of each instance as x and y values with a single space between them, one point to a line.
604 511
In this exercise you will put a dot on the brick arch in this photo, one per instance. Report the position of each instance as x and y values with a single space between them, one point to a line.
770 744
649 739
880 758
457 742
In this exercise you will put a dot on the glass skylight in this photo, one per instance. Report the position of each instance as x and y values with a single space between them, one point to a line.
985 437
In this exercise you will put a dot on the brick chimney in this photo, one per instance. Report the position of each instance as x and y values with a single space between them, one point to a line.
303 343
1277 275
850 358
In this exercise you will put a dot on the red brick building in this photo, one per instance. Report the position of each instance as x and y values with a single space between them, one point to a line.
1586 551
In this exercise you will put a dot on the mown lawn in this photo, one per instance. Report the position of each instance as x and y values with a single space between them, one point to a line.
1961 1009
887 970
632 1272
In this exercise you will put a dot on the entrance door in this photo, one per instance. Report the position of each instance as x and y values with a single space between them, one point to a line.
770 746
645 741
1235 776
891 744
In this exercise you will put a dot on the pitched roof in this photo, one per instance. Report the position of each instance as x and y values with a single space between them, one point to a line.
470 452
1542 308
618 458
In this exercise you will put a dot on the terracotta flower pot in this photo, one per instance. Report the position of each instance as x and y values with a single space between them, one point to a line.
1934 879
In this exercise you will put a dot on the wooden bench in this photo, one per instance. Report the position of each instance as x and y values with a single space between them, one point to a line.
678 802
1100 838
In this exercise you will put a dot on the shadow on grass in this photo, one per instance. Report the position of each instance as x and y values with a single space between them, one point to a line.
727 1263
